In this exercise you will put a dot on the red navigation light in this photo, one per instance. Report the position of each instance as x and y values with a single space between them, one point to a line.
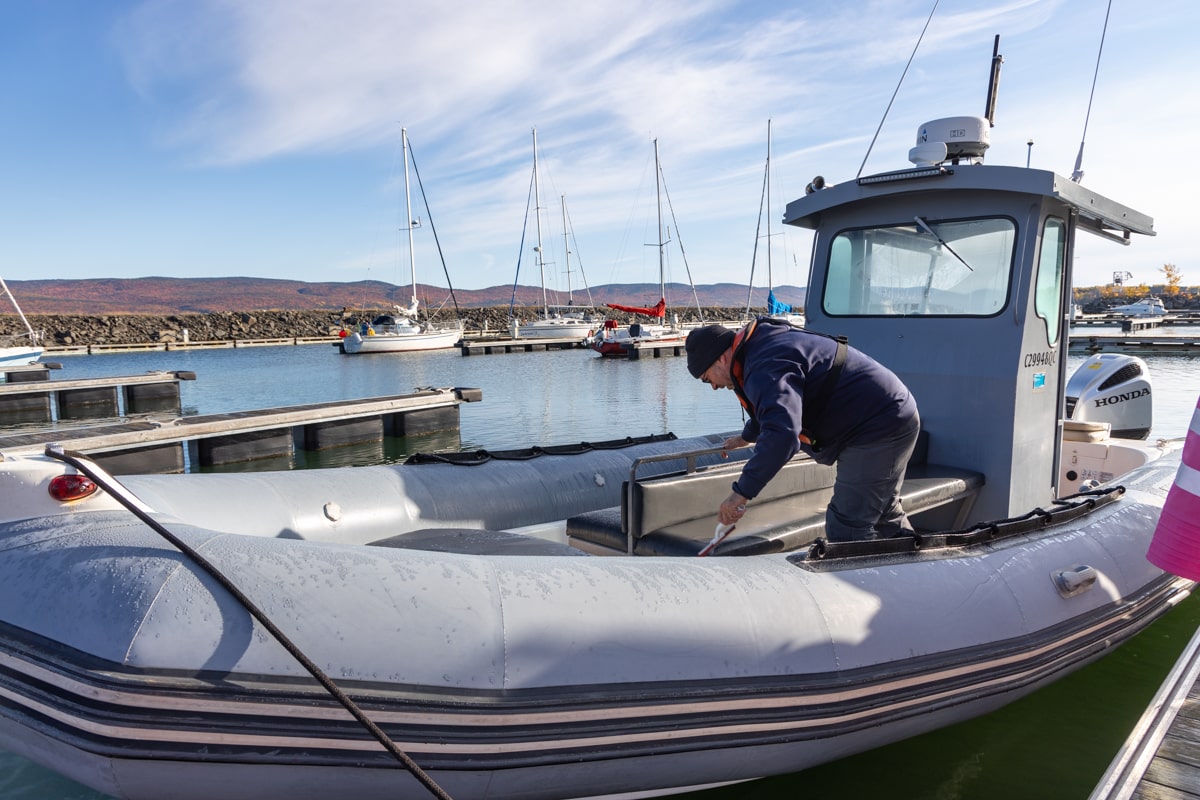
66 488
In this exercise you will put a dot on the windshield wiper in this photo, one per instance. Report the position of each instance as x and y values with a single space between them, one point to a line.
925 227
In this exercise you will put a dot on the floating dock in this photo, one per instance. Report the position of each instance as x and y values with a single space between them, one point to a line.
1161 757
29 373
1173 318
35 399
1135 324
500 346
652 349
164 446
634 351
1125 343
152 347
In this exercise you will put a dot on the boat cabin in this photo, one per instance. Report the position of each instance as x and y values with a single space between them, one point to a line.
957 276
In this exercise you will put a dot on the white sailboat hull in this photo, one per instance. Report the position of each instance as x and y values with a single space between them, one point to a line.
356 343
564 328
19 356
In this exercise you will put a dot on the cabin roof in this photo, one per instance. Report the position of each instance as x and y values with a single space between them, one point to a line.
1097 213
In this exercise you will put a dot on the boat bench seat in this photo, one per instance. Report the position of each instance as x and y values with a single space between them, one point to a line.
676 515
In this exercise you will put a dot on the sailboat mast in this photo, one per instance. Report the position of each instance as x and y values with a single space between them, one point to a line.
412 261
537 211
566 249
662 281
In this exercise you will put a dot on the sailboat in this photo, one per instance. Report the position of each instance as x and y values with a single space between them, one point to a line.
552 324
20 349
775 307
402 332
612 340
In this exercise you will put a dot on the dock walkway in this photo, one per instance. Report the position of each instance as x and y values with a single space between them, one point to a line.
147 445
41 400
1161 757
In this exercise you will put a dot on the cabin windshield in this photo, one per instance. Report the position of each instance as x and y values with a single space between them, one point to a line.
925 268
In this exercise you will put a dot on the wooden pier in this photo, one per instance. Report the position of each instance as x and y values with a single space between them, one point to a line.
159 446
41 400
1161 757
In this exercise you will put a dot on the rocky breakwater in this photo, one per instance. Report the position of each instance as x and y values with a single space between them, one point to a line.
75 330
81 330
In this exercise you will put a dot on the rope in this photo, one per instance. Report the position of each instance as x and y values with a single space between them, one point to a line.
433 229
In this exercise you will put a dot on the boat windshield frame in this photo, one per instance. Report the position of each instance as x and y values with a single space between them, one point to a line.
923 268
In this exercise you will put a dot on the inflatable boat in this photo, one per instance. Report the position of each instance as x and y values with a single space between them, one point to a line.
349 633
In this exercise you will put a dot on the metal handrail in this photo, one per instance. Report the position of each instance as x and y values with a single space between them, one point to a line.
689 456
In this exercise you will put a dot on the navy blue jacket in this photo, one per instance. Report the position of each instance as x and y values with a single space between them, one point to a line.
783 370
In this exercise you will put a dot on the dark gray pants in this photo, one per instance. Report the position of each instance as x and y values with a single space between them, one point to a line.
866 492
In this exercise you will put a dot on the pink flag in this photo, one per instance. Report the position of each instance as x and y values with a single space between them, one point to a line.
1176 544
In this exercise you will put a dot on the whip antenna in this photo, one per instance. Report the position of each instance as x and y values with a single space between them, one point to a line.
902 74
1077 175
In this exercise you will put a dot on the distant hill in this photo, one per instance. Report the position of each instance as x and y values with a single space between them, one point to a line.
156 295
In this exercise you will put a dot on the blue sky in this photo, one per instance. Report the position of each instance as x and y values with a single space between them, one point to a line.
202 138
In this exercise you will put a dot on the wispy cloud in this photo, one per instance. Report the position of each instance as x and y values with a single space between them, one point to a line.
237 84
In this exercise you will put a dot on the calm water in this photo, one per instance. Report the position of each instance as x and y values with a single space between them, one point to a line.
1055 743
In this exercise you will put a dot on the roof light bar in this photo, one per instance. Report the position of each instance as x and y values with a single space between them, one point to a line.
905 175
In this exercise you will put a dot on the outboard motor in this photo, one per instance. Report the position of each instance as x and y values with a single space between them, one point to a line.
1112 388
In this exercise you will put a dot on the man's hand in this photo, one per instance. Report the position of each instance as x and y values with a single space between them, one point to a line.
734 442
732 509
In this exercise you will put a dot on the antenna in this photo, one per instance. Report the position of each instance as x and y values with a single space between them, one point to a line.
897 91
1077 175
989 110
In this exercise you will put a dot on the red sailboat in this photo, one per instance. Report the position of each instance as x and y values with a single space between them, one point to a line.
613 340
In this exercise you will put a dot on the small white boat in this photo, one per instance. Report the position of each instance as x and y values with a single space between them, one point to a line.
402 332
19 350
141 621
1145 307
